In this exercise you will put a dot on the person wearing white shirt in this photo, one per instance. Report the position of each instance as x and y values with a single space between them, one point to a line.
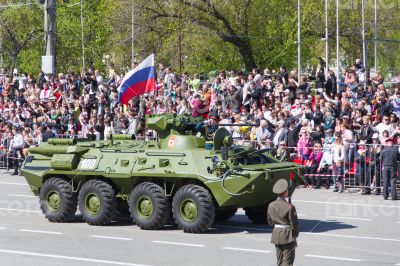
45 94
99 79
16 146
257 77
225 120
263 134
338 155
385 125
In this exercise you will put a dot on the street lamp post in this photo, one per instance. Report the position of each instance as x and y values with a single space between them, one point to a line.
83 42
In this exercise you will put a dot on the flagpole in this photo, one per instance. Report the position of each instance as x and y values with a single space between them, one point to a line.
133 31
298 41
326 39
363 37
337 41
83 42
375 36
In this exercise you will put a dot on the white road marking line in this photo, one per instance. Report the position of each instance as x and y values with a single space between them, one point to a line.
3 228
248 250
68 257
349 218
330 258
348 204
22 196
111 237
356 237
177 243
244 228
41 232
13 183
398 222
19 210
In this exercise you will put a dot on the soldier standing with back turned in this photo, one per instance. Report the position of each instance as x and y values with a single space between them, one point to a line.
389 158
283 216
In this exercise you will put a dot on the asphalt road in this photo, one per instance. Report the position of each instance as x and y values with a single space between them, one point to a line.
336 229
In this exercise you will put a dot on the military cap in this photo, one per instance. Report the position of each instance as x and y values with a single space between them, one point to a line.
280 186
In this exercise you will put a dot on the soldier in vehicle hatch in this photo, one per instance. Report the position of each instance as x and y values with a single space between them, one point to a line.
283 216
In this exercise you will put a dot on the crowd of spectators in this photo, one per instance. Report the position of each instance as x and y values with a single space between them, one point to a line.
326 126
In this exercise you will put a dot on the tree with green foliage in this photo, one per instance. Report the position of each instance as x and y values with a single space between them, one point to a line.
21 34
199 35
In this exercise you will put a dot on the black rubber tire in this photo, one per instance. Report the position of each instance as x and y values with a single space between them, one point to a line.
224 214
204 203
257 214
161 207
68 206
108 203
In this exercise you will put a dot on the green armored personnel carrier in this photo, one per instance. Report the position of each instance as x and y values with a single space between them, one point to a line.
182 174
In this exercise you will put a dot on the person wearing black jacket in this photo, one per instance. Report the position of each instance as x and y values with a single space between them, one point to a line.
382 107
293 134
320 79
331 84
47 133
317 116
255 93
366 131
389 157
91 85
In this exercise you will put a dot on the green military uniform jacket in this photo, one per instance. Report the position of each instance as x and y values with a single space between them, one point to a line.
282 212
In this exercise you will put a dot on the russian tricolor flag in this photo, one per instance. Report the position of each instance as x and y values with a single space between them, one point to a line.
138 81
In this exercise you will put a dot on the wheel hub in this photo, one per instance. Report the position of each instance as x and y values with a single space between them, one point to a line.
92 203
53 200
144 207
189 210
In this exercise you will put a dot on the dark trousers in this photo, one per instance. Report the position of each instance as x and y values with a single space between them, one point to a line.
364 179
285 254
313 180
327 177
15 154
389 176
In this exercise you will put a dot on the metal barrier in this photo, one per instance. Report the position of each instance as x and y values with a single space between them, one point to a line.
4 159
362 168
66 136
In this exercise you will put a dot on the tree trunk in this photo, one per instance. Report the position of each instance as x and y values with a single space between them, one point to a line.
245 50
14 58
247 55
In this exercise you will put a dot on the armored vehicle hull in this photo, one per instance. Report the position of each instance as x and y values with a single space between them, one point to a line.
152 179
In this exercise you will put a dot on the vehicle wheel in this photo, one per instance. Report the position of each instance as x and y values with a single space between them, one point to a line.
224 214
149 207
257 214
57 201
97 202
193 208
